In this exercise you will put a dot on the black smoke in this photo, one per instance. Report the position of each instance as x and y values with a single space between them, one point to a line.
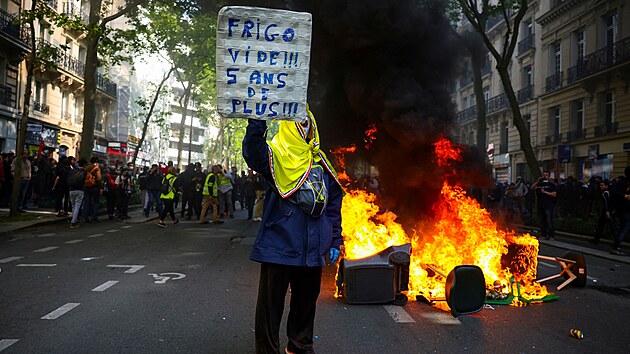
386 63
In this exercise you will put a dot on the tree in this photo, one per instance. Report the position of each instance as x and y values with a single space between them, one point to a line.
512 11
96 29
42 56
149 114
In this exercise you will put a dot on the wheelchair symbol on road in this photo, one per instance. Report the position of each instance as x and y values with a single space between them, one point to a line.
162 278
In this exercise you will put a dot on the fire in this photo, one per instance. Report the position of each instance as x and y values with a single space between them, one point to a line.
461 232
370 136
339 154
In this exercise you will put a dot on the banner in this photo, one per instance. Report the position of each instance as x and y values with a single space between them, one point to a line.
263 58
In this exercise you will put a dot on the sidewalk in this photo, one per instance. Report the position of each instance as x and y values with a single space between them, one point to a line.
47 217
563 240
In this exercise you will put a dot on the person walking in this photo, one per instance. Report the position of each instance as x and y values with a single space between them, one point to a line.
93 190
302 218
621 198
125 187
24 176
225 194
60 187
545 203
249 191
167 194
605 214
109 189
154 182
210 196
76 184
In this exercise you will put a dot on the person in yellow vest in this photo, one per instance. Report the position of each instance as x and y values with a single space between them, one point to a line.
167 196
210 195
225 193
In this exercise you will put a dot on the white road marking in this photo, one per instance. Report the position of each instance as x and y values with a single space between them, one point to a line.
112 230
46 235
106 285
133 268
37 265
60 311
10 259
548 265
591 278
46 249
126 227
5 343
398 314
75 241
95 235
444 318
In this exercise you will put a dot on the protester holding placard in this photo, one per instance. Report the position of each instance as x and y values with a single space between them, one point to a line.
301 225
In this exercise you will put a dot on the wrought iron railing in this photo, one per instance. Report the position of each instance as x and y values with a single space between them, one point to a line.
467 115
10 28
606 128
497 103
554 82
71 64
106 85
41 107
526 44
576 134
525 94
6 96
600 60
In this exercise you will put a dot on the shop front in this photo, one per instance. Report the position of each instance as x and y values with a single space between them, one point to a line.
41 138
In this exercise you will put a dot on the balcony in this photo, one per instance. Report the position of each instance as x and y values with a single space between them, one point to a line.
600 60
525 94
607 128
105 85
497 103
526 44
552 139
554 82
467 115
6 96
41 107
13 31
71 65
576 134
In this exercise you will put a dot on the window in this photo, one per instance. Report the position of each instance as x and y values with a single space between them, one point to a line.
505 132
528 122
528 28
78 115
65 105
556 58
98 124
579 46
554 121
3 68
606 108
40 92
610 29
472 101
486 93
527 76
577 116
464 102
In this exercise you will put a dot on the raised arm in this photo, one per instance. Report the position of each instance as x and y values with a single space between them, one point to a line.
255 148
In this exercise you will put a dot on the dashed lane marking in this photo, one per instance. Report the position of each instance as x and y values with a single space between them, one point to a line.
46 249
37 265
443 318
95 235
60 311
398 314
75 241
126 227
132 268
46 235
112 230
106 285
5 343
10 259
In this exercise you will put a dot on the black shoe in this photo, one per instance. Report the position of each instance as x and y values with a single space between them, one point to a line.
161 224
218 222
176 222
618 252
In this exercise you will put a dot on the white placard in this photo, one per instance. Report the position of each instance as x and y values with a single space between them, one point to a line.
263 58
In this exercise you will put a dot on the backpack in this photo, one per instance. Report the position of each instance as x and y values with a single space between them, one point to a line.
76 178
90 180
312 196
166 186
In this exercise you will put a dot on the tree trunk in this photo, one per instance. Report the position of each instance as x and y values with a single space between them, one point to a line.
182 126
89 82
149 114
21 138
517 118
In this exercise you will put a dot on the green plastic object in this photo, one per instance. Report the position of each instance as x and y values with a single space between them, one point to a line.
510 298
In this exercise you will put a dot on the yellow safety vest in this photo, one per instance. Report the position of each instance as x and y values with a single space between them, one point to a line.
211 184
171 191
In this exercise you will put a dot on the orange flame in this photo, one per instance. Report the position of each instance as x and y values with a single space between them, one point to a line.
370 136
461 232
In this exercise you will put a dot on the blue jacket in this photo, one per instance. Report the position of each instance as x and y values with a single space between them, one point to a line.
288 235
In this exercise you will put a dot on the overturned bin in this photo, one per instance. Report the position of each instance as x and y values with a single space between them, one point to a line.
376 279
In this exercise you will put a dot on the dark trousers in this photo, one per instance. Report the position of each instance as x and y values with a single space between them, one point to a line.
602 223
111 202
91 200
624 227
168 209
545 219
250 200
62 199
272 288
189 201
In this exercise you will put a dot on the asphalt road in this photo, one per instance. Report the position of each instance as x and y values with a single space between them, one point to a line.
190 288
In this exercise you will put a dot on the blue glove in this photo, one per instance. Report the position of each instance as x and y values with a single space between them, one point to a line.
334 254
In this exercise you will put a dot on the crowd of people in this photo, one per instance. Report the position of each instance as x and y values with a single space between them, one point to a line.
79 188
606 201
